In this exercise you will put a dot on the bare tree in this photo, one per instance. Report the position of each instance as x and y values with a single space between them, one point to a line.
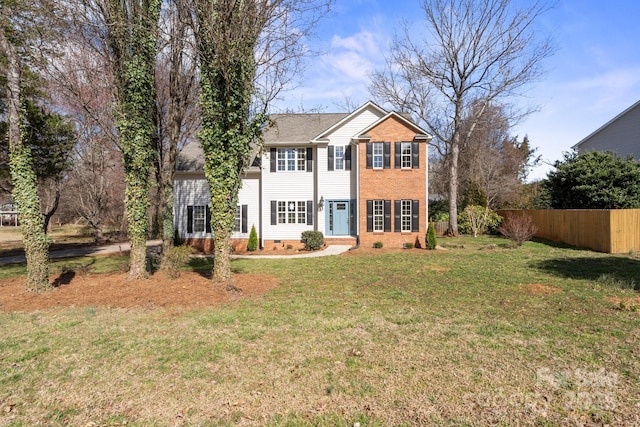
475 50
125 34
82 85
491 158
177 113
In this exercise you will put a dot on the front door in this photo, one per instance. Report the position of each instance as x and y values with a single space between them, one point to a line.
339 212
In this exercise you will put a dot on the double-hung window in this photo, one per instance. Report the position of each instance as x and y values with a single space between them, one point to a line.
291 159
199 219
339 157
378 153
378 215
405 154
237 224
405 215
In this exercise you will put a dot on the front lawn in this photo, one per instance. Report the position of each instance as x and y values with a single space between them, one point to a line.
477 334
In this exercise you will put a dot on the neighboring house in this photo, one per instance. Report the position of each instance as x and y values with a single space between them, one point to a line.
357 178
621 135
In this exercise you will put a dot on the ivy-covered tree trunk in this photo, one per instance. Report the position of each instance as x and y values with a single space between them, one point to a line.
226 38
132 36
23 176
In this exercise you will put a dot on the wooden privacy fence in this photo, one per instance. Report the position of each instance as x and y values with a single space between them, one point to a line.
612 231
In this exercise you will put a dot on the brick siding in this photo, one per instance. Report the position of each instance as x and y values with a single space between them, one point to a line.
392 184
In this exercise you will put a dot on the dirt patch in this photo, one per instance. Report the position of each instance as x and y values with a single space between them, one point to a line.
190 290
539 289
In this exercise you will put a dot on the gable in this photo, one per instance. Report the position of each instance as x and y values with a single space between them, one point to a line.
394 127
620 135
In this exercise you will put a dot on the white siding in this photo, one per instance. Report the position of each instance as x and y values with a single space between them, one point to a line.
249 195
285 186
194 190
188 191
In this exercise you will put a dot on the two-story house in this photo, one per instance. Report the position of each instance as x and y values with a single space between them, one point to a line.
357 178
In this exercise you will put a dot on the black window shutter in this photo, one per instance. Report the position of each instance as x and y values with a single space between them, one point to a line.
369 216
273 159
245 208
274 212
397 217
415 215
369 155
309 159
387 155
309 212
415 155
397 155
208 219
347 158
330 158
189 219
387 215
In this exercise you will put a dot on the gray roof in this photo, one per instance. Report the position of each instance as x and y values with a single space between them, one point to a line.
286 129
190 158
299 128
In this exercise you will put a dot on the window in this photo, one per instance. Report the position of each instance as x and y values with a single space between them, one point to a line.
291 159
339 157
199 219
292 212
378 215
237 224
406 215
406 155
377 155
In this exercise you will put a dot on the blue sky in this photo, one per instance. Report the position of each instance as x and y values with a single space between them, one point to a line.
594 75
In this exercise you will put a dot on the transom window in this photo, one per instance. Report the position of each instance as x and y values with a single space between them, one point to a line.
406 155
378 215
406 215
378 151
292 212
339 157
291 159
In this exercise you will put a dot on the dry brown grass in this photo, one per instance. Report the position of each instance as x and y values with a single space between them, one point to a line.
458 337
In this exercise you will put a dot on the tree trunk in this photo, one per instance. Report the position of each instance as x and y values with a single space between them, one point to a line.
54 207
222 258
453 186
25 190
137 202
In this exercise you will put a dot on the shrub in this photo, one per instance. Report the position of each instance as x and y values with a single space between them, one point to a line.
252 245
441 217
313 240
431 237
518 228
174 258
377 245
492 221
407 246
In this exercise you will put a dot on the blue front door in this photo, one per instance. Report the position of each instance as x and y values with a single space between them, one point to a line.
339 213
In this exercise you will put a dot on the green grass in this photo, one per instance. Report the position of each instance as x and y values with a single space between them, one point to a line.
408 338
